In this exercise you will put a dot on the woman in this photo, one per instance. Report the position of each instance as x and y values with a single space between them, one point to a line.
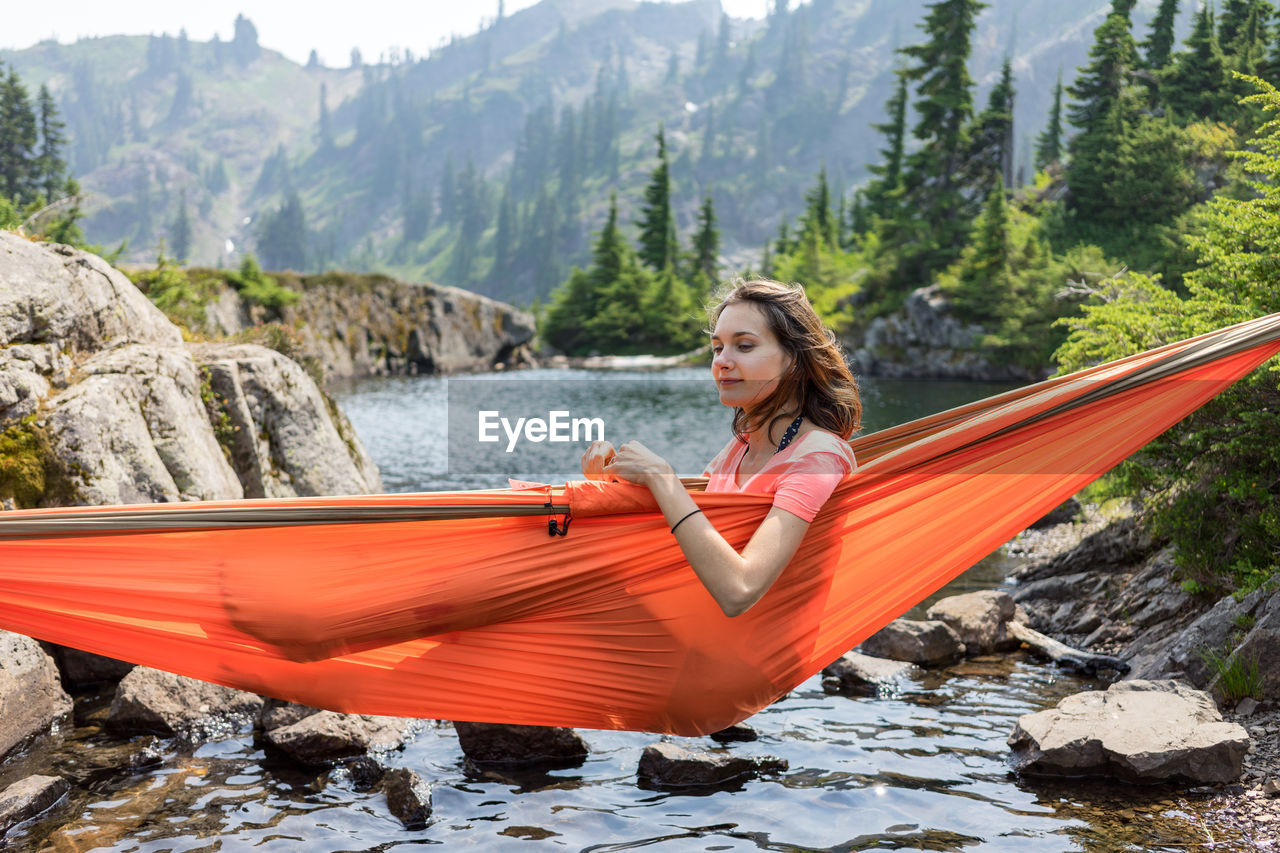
795 405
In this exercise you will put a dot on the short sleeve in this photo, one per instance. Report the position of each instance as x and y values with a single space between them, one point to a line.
805 484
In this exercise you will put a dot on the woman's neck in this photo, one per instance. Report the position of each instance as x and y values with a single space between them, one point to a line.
763 440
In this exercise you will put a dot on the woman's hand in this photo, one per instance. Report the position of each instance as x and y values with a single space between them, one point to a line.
598 455
636 463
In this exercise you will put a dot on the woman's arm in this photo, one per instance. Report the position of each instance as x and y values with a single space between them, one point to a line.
736 581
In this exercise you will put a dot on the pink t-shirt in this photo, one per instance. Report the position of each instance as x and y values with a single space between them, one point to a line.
800 478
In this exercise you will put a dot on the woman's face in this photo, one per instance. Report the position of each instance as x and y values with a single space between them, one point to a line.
748 359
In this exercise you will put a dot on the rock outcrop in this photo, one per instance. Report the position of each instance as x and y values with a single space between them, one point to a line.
408 797
669 765
28 798
32 700
363 325
534 746
1137 731
924 340
125 412
980 619
149 700
856 674
1113 593
927 643
326 738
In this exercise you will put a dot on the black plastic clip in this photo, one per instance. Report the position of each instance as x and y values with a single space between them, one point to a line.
555 528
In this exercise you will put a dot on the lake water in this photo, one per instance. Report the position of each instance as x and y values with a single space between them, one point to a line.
925 768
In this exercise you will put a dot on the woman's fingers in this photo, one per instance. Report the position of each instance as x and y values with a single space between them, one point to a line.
598 455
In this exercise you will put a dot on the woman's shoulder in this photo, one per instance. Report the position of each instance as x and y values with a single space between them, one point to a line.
818 440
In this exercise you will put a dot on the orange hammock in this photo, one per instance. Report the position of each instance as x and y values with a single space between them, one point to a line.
461 606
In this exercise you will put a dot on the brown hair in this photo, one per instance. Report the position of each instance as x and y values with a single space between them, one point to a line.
819 378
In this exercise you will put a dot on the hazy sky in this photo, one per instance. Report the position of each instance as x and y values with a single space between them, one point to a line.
291 27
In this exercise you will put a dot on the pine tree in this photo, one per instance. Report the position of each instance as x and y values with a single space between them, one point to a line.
282 235
706 247
1049 142
658 246
244 43
990 138
944 106
326 130
52 168
18 170
817 226
882 194
981 289
1105 107
1247 53
505 239
1104 82
1232 21
180 231
1159 43
1196 83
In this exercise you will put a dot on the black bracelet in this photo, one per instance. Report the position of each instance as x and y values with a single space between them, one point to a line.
682 521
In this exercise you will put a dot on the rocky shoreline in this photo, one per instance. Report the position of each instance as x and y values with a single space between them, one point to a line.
1105 586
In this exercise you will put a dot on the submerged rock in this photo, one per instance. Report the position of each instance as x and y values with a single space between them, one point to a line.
669 765
498 743
32 701
277 714
408 797
153 701
737 733
326 738
27 798
1137 731
926 643
857 674
980 619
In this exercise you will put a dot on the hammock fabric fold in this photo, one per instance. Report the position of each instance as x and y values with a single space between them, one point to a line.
461 606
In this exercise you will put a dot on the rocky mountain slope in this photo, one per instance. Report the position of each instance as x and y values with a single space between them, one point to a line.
376 153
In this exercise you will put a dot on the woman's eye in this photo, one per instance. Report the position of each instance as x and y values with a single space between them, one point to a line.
744 347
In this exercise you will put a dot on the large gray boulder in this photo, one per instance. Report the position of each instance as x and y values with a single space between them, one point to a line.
284 437
28 798
131 414
925 340
856 674
134 430
32 701
669 765
1137 731
979 618
928 643
327 738
153 701
499 743
408 797
73 301
370 325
